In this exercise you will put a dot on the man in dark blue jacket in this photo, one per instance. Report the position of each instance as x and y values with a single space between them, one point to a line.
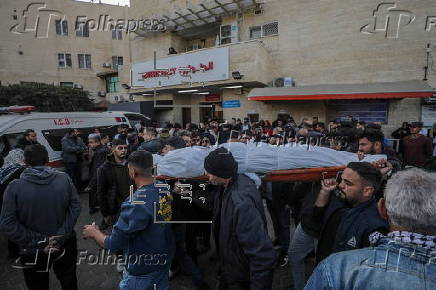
348 211
45 236
245 250
141 233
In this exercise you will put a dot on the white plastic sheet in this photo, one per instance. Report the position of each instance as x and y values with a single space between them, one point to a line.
256 158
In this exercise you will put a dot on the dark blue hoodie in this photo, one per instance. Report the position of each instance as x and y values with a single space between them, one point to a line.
42 203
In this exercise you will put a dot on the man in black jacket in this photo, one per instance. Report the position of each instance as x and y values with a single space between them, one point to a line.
39 213
245 250
72 151
98 158
113 182
348 211
29 138
371 142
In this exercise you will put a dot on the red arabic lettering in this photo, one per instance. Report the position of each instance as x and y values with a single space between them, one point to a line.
183 71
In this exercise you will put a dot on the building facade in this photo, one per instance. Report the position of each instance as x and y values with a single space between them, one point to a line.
283 43
230 58
63 42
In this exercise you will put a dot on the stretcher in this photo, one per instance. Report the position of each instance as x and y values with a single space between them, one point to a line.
300 174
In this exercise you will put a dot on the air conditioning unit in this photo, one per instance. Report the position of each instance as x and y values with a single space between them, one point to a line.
107 65
77 86
116 98
279 82
284 82
101 94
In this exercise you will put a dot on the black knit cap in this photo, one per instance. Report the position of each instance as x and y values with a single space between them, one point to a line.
221 163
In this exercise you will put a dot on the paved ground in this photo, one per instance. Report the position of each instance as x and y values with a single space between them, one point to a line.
94 277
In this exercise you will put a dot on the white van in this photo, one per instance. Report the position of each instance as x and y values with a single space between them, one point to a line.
50 128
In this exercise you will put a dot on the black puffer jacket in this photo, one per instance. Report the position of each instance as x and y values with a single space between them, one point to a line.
245 249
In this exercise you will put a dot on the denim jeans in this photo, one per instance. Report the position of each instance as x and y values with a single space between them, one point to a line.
151 281
301 245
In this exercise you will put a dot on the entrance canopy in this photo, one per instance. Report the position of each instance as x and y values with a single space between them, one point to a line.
392 90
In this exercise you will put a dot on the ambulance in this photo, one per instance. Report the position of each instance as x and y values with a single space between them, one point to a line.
50 128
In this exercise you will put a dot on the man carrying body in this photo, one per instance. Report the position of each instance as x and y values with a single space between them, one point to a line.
239 226
348 211
147 246
371 142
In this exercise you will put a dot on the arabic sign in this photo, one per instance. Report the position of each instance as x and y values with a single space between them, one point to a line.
202 66
232 104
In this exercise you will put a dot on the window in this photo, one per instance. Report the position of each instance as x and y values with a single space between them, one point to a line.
112 84
84 61
270 29
117 33
61 27
82 30
66 84
255 32
264 30
64 60
117 61
226 34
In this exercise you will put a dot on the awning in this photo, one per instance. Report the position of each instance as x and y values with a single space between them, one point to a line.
392 90
107 73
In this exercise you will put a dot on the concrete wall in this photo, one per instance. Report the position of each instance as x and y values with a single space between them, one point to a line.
39 59
320 42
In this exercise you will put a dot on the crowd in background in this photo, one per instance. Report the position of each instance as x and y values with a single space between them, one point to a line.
330 216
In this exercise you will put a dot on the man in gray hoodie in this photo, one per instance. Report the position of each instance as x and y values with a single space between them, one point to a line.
40 210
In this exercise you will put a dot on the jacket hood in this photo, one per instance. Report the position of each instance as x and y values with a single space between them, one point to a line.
39 174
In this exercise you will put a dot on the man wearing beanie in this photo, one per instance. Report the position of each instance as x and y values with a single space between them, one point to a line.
245 250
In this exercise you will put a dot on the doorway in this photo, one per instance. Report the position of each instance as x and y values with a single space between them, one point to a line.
186 116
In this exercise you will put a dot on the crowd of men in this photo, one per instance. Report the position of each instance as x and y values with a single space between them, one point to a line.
371 208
